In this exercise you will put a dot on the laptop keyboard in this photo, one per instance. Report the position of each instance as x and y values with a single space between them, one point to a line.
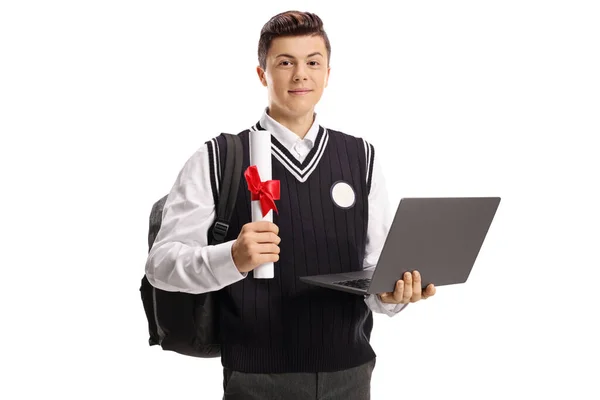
356 283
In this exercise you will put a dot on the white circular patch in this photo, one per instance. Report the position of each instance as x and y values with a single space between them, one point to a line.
343 194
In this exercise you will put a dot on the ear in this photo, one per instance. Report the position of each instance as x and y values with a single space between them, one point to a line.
327 76
261 75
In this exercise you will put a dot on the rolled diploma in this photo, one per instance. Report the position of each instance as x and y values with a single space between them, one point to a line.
260 155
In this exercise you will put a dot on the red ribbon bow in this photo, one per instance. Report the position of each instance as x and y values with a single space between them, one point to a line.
267 192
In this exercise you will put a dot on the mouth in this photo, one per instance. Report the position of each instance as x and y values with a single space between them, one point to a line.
299 91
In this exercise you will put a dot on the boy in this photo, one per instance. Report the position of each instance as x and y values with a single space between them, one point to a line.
281 338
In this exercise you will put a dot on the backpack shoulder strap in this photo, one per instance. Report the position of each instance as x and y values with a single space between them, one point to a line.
230 181
225 201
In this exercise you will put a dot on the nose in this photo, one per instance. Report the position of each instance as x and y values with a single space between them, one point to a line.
300 74
300 77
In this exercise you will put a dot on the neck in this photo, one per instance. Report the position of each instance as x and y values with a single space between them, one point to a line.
299 124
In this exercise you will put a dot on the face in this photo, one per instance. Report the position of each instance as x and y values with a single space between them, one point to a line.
296 74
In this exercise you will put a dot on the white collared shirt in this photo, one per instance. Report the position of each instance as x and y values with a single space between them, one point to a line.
182 260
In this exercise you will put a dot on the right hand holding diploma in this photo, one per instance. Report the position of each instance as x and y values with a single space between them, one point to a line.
256 244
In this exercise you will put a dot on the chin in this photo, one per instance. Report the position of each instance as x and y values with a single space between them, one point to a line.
295 108
304 104
300 111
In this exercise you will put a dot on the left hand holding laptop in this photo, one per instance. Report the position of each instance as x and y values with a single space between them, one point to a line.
408 290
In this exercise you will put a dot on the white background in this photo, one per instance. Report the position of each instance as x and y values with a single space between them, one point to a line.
102 102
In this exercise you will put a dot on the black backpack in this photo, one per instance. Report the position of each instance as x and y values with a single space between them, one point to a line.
189 323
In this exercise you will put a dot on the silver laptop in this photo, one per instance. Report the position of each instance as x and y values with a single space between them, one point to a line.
438 236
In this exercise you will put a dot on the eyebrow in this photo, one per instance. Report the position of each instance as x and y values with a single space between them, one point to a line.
291 56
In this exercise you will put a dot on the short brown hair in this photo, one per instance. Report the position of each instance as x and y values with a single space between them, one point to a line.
290 23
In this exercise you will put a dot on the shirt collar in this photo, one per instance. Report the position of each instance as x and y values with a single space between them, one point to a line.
286 137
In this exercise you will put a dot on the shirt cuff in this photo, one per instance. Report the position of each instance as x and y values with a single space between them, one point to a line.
221 264
375 304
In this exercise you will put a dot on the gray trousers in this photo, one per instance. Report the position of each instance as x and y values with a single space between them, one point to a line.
349 384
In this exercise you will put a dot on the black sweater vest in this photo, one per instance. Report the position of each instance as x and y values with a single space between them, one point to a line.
282 324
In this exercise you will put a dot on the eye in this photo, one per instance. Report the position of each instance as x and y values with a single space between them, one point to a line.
285 61
315 63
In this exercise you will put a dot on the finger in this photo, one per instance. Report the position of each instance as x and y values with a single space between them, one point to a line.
266 258
407 287
429 291
266 248
264 226
398 293
265 237
416 295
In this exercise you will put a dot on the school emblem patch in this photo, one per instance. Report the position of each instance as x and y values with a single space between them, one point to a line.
343 195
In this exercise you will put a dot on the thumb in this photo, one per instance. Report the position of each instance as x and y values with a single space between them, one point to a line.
384 296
